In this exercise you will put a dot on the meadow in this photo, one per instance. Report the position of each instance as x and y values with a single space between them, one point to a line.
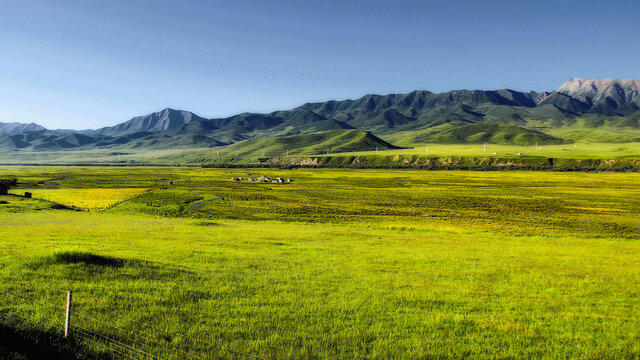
570 151
338 264
249 153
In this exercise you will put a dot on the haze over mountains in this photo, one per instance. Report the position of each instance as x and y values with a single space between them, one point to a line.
591 110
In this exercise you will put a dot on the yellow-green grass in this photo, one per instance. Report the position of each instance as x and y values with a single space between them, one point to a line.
525 202
568 151
222 155
85 198
339 264
109 156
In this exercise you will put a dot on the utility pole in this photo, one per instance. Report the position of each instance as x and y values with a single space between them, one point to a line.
536 146
376 150
484 150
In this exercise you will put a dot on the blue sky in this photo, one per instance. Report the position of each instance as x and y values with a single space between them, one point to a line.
88 64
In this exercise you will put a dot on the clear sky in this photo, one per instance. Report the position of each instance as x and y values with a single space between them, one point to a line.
88 64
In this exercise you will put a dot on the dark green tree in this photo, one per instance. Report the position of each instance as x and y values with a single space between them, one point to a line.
6 184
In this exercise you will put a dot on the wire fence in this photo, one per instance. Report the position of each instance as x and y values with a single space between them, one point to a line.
101 329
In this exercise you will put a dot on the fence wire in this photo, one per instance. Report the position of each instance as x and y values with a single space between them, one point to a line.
93 326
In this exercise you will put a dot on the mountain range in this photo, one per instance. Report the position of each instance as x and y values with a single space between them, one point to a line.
19 128
579 110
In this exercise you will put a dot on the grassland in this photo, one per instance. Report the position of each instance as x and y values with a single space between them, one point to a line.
566 151
87 199
249 153
338 264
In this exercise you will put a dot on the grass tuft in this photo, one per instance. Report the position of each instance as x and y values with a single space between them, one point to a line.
206 223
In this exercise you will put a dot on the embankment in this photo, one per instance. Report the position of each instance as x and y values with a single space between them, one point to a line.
458 163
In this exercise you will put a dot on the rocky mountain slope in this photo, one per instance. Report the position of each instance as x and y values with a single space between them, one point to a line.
19 128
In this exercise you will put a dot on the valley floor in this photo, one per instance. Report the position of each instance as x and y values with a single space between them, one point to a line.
337 264
248 153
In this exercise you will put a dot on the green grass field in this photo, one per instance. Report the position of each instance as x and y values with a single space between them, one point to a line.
250 152
339 264
570 151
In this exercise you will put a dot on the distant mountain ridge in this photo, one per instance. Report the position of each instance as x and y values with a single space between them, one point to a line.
165 120
588 90
604 97
595 110
19 128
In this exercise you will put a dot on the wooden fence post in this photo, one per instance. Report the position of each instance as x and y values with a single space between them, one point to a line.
67 318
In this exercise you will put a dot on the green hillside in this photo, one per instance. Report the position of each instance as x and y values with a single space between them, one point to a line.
334 141
488 133
593 129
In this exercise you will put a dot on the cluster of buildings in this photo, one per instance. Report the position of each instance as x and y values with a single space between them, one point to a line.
264 179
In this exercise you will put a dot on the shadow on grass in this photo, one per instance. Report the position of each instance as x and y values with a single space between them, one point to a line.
80 265
79 257
31 344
